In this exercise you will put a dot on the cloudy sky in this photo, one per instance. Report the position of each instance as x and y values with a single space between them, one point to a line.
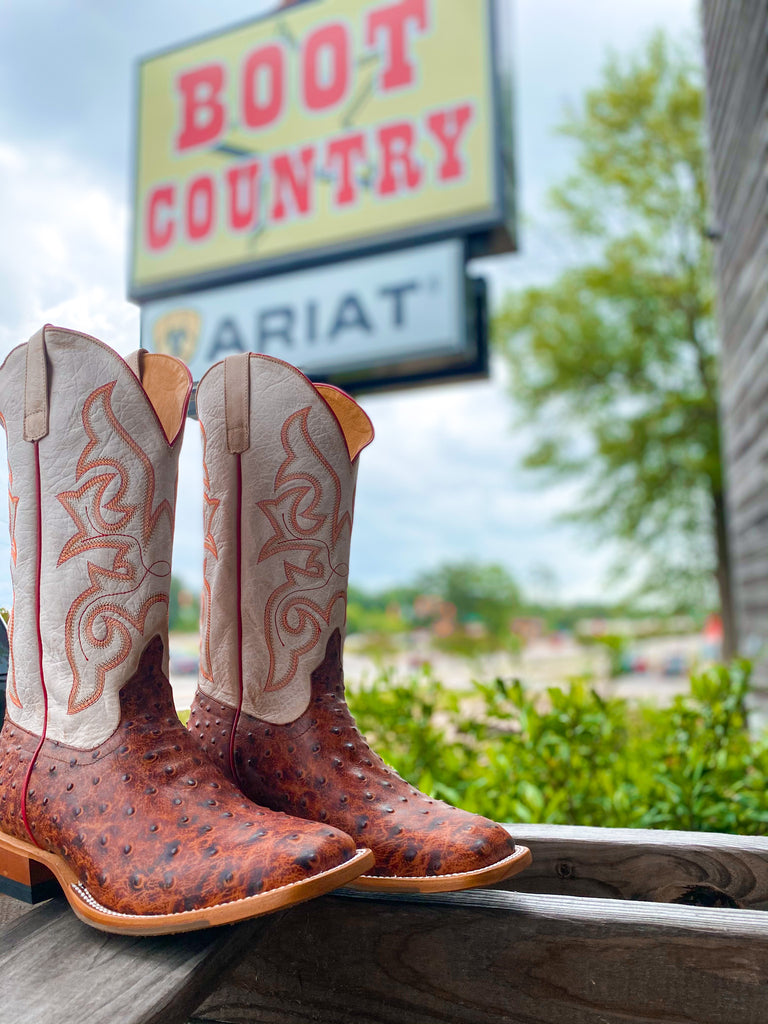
442 480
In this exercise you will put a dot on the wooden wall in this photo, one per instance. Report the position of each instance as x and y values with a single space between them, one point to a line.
736 52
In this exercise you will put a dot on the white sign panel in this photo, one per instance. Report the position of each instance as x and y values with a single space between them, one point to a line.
392 310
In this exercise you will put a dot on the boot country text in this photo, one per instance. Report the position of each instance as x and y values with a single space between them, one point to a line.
322 131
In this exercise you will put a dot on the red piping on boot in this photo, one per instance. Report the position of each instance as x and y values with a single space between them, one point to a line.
39 646
238 585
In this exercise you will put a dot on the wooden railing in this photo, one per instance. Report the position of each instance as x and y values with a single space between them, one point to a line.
607 927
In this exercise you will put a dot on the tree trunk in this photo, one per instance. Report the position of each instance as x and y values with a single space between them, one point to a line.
723 573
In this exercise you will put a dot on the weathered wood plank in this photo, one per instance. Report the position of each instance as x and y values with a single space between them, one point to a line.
11 909
644 864
724 39
735 36
746 339
499 958
735 45
486 956
56 970
754 570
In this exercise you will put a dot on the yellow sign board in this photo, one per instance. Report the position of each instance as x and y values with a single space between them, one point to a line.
326 129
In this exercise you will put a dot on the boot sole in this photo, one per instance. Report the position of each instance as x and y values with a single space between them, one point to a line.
18 857
497 872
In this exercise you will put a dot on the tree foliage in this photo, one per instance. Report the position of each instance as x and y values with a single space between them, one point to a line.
616 360
183 608
479 593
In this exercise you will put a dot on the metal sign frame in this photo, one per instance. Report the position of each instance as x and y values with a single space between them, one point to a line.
474 364
386 339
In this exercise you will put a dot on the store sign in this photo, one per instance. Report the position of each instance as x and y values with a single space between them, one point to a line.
384 316
329 128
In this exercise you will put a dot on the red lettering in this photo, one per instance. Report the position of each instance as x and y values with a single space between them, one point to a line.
298 183
243 186
326 86
263 86
160 230
202 112
342 152
449 128
392 22
399 170
200 207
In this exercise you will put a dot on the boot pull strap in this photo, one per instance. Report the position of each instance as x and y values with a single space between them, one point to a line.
135 362
36 389
237 400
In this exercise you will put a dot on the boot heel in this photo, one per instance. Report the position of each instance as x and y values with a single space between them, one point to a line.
25 879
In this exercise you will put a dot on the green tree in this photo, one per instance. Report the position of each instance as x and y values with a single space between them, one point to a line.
183 608
616 360
481 593
375 612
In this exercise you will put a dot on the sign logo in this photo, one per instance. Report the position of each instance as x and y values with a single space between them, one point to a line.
349 321
177 333
329 128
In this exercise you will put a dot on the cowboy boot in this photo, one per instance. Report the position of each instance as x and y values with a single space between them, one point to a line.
99 781
280 460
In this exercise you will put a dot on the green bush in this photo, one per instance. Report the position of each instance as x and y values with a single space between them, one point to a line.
569 756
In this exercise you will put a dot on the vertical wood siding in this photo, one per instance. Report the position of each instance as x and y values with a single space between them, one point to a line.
736 52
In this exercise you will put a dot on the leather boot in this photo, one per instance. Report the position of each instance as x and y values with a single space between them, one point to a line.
99 781
280 461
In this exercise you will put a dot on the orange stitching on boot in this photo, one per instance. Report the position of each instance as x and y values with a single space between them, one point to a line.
288 609
38 578
11 690
13 508
85 506
210 507
103 396
239 592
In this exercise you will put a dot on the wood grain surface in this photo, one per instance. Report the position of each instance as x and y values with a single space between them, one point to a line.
56 970
10 909
736 51
644 864
499 958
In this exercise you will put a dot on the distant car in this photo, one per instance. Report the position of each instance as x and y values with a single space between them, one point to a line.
183 664
674 665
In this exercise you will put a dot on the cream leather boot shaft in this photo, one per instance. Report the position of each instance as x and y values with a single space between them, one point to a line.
99 781
92 489
280 470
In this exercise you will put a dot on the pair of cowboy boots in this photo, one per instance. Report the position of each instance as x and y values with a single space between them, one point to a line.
271 796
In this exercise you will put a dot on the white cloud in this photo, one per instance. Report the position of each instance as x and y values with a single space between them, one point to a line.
442 482
61 262
63 253
442 479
